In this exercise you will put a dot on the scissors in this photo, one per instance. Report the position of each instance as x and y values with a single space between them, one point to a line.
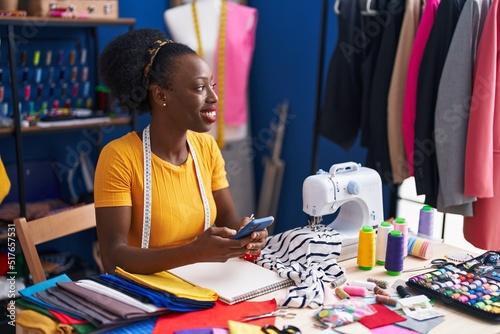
282 312
288 329
436 263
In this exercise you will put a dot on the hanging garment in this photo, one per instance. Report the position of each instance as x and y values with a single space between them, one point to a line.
429 76
482 151
373 27
240 42
395 102
378 146
410 102
341 113
453 106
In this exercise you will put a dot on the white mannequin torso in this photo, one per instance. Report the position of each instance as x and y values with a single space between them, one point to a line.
181 26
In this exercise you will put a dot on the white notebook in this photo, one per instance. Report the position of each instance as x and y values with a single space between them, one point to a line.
234 281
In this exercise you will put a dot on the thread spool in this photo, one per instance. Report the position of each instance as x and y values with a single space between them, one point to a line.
366 248
402 292
401 224
420 247
394 255
339 292
383 230
339 281
426 221
380 283
379 291
355 290
385 300
367 285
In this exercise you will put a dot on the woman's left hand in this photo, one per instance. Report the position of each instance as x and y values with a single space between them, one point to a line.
256 239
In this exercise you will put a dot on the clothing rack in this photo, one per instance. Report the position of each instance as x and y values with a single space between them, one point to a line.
394 190
319 91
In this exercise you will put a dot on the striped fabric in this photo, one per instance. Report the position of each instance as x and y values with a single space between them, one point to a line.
309 258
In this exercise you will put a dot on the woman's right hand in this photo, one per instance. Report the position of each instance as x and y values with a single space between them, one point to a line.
216 245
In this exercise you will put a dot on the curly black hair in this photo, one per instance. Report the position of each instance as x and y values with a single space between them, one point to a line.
122 62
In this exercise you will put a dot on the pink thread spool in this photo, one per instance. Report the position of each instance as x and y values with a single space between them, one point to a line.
355 290
401 224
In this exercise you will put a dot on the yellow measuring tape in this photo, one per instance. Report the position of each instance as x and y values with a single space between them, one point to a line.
222 63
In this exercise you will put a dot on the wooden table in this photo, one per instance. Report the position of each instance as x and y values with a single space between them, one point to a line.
456 320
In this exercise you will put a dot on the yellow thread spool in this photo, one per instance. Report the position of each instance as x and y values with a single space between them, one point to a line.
366 248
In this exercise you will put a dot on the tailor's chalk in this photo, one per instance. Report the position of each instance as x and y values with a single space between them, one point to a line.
403 293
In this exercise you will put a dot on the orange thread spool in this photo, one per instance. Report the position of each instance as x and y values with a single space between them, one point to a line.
339 292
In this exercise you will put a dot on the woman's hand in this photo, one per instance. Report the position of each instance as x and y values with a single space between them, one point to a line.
256 240
216 245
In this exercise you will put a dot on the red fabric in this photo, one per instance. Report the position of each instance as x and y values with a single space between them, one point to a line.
383 317
216 316
67 319
482 158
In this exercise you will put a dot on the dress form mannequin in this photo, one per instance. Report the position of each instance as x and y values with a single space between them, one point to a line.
181 26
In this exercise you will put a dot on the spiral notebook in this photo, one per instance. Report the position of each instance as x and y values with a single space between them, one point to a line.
235 280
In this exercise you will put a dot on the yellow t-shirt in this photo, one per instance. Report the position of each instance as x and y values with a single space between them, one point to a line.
177 214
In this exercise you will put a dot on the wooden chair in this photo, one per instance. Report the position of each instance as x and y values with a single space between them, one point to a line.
34 232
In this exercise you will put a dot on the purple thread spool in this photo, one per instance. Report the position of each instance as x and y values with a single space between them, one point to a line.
426 221
395 253
402 225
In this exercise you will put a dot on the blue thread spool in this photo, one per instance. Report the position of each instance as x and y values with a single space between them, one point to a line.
395 253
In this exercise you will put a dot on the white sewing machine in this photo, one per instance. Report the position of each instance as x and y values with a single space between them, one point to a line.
356 190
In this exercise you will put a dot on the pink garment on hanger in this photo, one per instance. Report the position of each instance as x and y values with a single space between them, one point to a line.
410 103
240 41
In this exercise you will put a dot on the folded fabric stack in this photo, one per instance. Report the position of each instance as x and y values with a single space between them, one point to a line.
107 301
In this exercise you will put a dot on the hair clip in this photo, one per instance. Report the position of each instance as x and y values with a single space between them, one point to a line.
152 51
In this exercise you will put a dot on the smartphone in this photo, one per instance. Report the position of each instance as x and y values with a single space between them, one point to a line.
255 225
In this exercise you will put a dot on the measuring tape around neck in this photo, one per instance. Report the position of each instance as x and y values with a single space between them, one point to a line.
148 203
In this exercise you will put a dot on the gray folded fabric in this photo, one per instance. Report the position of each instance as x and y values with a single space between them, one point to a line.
98 301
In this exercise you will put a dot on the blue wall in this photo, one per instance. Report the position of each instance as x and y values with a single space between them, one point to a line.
285 67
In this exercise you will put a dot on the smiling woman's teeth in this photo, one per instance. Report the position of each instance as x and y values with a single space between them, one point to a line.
210 114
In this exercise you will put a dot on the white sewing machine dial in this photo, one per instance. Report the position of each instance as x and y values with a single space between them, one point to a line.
353 188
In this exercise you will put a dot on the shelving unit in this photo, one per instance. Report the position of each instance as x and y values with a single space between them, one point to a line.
19 30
